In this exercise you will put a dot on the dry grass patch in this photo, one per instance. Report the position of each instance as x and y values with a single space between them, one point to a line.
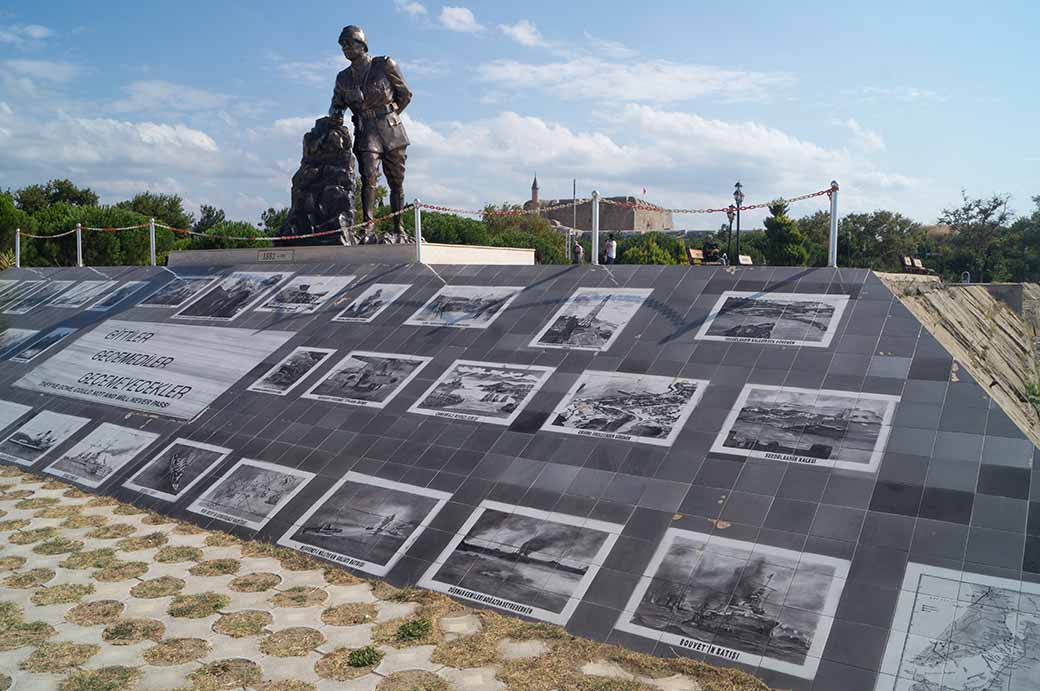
104 679
337 666
76 493
121 571
128 510
300 596
25 633
250 622
10 614
164 586
291 560
95 613
51 483
349 614
259 550
10 471
92 559
112 532
295 641
415 681
287 685
187 529
149 541
5 682
219 538
66 511
58 545
232 673
81 521
216 567
156 519
175 554
97 502
130 631
197 606
33 578
59 657
255 582
176 651
62 594
16 494
27 537
37 503
334 576
13 524
11 563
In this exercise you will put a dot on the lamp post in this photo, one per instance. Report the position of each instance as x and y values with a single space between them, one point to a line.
731 213
738 197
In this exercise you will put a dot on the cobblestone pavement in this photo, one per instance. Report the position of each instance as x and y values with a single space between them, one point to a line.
96 595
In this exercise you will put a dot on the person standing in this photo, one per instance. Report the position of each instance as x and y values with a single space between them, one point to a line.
611 250
579 253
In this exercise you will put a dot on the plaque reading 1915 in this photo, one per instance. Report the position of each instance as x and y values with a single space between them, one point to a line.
167 369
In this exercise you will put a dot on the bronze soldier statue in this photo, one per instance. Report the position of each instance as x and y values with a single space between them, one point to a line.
376 93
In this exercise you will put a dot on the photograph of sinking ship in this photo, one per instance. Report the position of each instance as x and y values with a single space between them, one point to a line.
100 454
482 391
39 436
251 493
591 319
806 319
365 522
290 372
178 292
464 307
753 604
232 296
176 469
835 429
367 379
625 406
371 303
520 560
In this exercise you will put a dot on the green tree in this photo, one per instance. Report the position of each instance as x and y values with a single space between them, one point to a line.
209 216
217 237
652 248
978 227
12 218
272 220
167 209
100 248
526 230
34 198
816 228
785 242
878 239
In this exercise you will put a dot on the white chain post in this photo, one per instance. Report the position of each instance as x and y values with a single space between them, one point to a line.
595 227
18 248
832 259
151 238
79 244
418 231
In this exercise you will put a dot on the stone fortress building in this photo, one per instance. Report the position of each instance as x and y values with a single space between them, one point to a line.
611 216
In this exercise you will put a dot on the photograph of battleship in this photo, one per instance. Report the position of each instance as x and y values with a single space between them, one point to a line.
232 296
367 379
371 303
806 319
482 391
524 561
834 429
250 493
49 291
39 436
960 631
464 307
753 604
10 413
178 292
19 292
43 343
629 407
305 294
591 319
365 522
13 338
290 372
176 469
100 454
117 296
81 294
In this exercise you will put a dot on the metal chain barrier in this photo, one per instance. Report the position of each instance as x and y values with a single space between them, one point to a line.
651 207
302 236
504 212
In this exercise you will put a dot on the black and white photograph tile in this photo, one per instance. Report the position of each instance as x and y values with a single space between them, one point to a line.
19 292
178 292
372 302
367 379
520 560
250 493
6 285
591 319
834 429
49 291
40 435
758 605
627 407
117 296
365 522
233 295
961 631
305 294
81 294
464 307
176 469
11 339
100 454
35 348
11 413
803 319
489 392
291 371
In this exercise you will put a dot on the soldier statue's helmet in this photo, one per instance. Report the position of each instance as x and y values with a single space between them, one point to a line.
353 32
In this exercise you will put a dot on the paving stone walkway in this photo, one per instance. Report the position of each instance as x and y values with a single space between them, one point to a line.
97 595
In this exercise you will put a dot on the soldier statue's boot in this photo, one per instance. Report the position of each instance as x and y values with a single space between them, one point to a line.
368 206
396 204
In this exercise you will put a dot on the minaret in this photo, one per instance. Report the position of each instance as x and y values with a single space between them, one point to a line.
534 191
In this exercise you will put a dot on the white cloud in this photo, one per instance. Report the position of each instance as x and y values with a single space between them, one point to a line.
523 32
423 67
17 34
42 70
157 95
898 93
319 71
293 127
459 19
867 140
614 49
410 7
655 81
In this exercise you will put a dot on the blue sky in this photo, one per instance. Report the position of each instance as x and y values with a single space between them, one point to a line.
904 103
